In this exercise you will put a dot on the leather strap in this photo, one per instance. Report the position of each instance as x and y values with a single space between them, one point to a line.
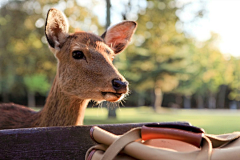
121 142
183 132
113 144
172 133
134 134
127 143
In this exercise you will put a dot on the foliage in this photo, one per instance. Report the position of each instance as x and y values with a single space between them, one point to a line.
155 54
37 83
26 63
166 58
156 60
206 69
162 57
22 49
234 63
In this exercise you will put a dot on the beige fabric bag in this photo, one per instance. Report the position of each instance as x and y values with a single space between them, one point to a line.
167 141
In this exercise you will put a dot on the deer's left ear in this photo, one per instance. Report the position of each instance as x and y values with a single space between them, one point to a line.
118 36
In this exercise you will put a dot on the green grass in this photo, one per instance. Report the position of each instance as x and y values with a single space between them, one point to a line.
212 121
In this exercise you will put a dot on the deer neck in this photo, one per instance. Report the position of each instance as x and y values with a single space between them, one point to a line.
62 109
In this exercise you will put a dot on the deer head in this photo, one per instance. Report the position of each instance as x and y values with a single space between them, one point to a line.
85 68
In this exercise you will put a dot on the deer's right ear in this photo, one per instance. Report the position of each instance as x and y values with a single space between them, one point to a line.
56 28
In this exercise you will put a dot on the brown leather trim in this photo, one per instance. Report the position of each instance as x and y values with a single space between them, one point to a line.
91 154
177 125
91 133
172 133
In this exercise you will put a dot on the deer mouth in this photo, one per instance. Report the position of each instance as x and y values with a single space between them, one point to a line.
112 96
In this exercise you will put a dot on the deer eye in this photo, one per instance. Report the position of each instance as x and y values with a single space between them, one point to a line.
78 55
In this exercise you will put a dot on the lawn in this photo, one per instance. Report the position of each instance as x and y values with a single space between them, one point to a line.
213 121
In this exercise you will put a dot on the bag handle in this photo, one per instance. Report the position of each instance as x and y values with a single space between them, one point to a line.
169 130
175 131
117 143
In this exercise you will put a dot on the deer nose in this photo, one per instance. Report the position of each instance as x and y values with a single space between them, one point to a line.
120 86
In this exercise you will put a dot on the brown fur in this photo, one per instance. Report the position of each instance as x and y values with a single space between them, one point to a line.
77 80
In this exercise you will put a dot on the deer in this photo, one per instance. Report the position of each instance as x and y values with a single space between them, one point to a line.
85 72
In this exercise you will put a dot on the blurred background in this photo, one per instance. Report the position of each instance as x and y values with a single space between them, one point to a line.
182 63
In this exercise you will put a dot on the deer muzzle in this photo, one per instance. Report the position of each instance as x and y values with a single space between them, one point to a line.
120 87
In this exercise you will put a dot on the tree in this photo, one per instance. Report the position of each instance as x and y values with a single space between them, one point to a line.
206 70
155 60
235 82
36 83
25 60
111 110
23 52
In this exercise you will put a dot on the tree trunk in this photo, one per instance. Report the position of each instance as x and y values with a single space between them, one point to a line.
111 110
233 105
158 99
221 96
5 97
31 99
112 113
187 102
108 17
211 101
179 100
200 102
141 100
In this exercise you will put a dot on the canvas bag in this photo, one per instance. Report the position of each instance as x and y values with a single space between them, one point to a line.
164 141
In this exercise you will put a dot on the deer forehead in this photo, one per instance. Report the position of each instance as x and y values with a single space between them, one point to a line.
81 40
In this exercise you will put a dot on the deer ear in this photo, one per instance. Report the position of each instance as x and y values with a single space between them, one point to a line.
56 28
118 36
